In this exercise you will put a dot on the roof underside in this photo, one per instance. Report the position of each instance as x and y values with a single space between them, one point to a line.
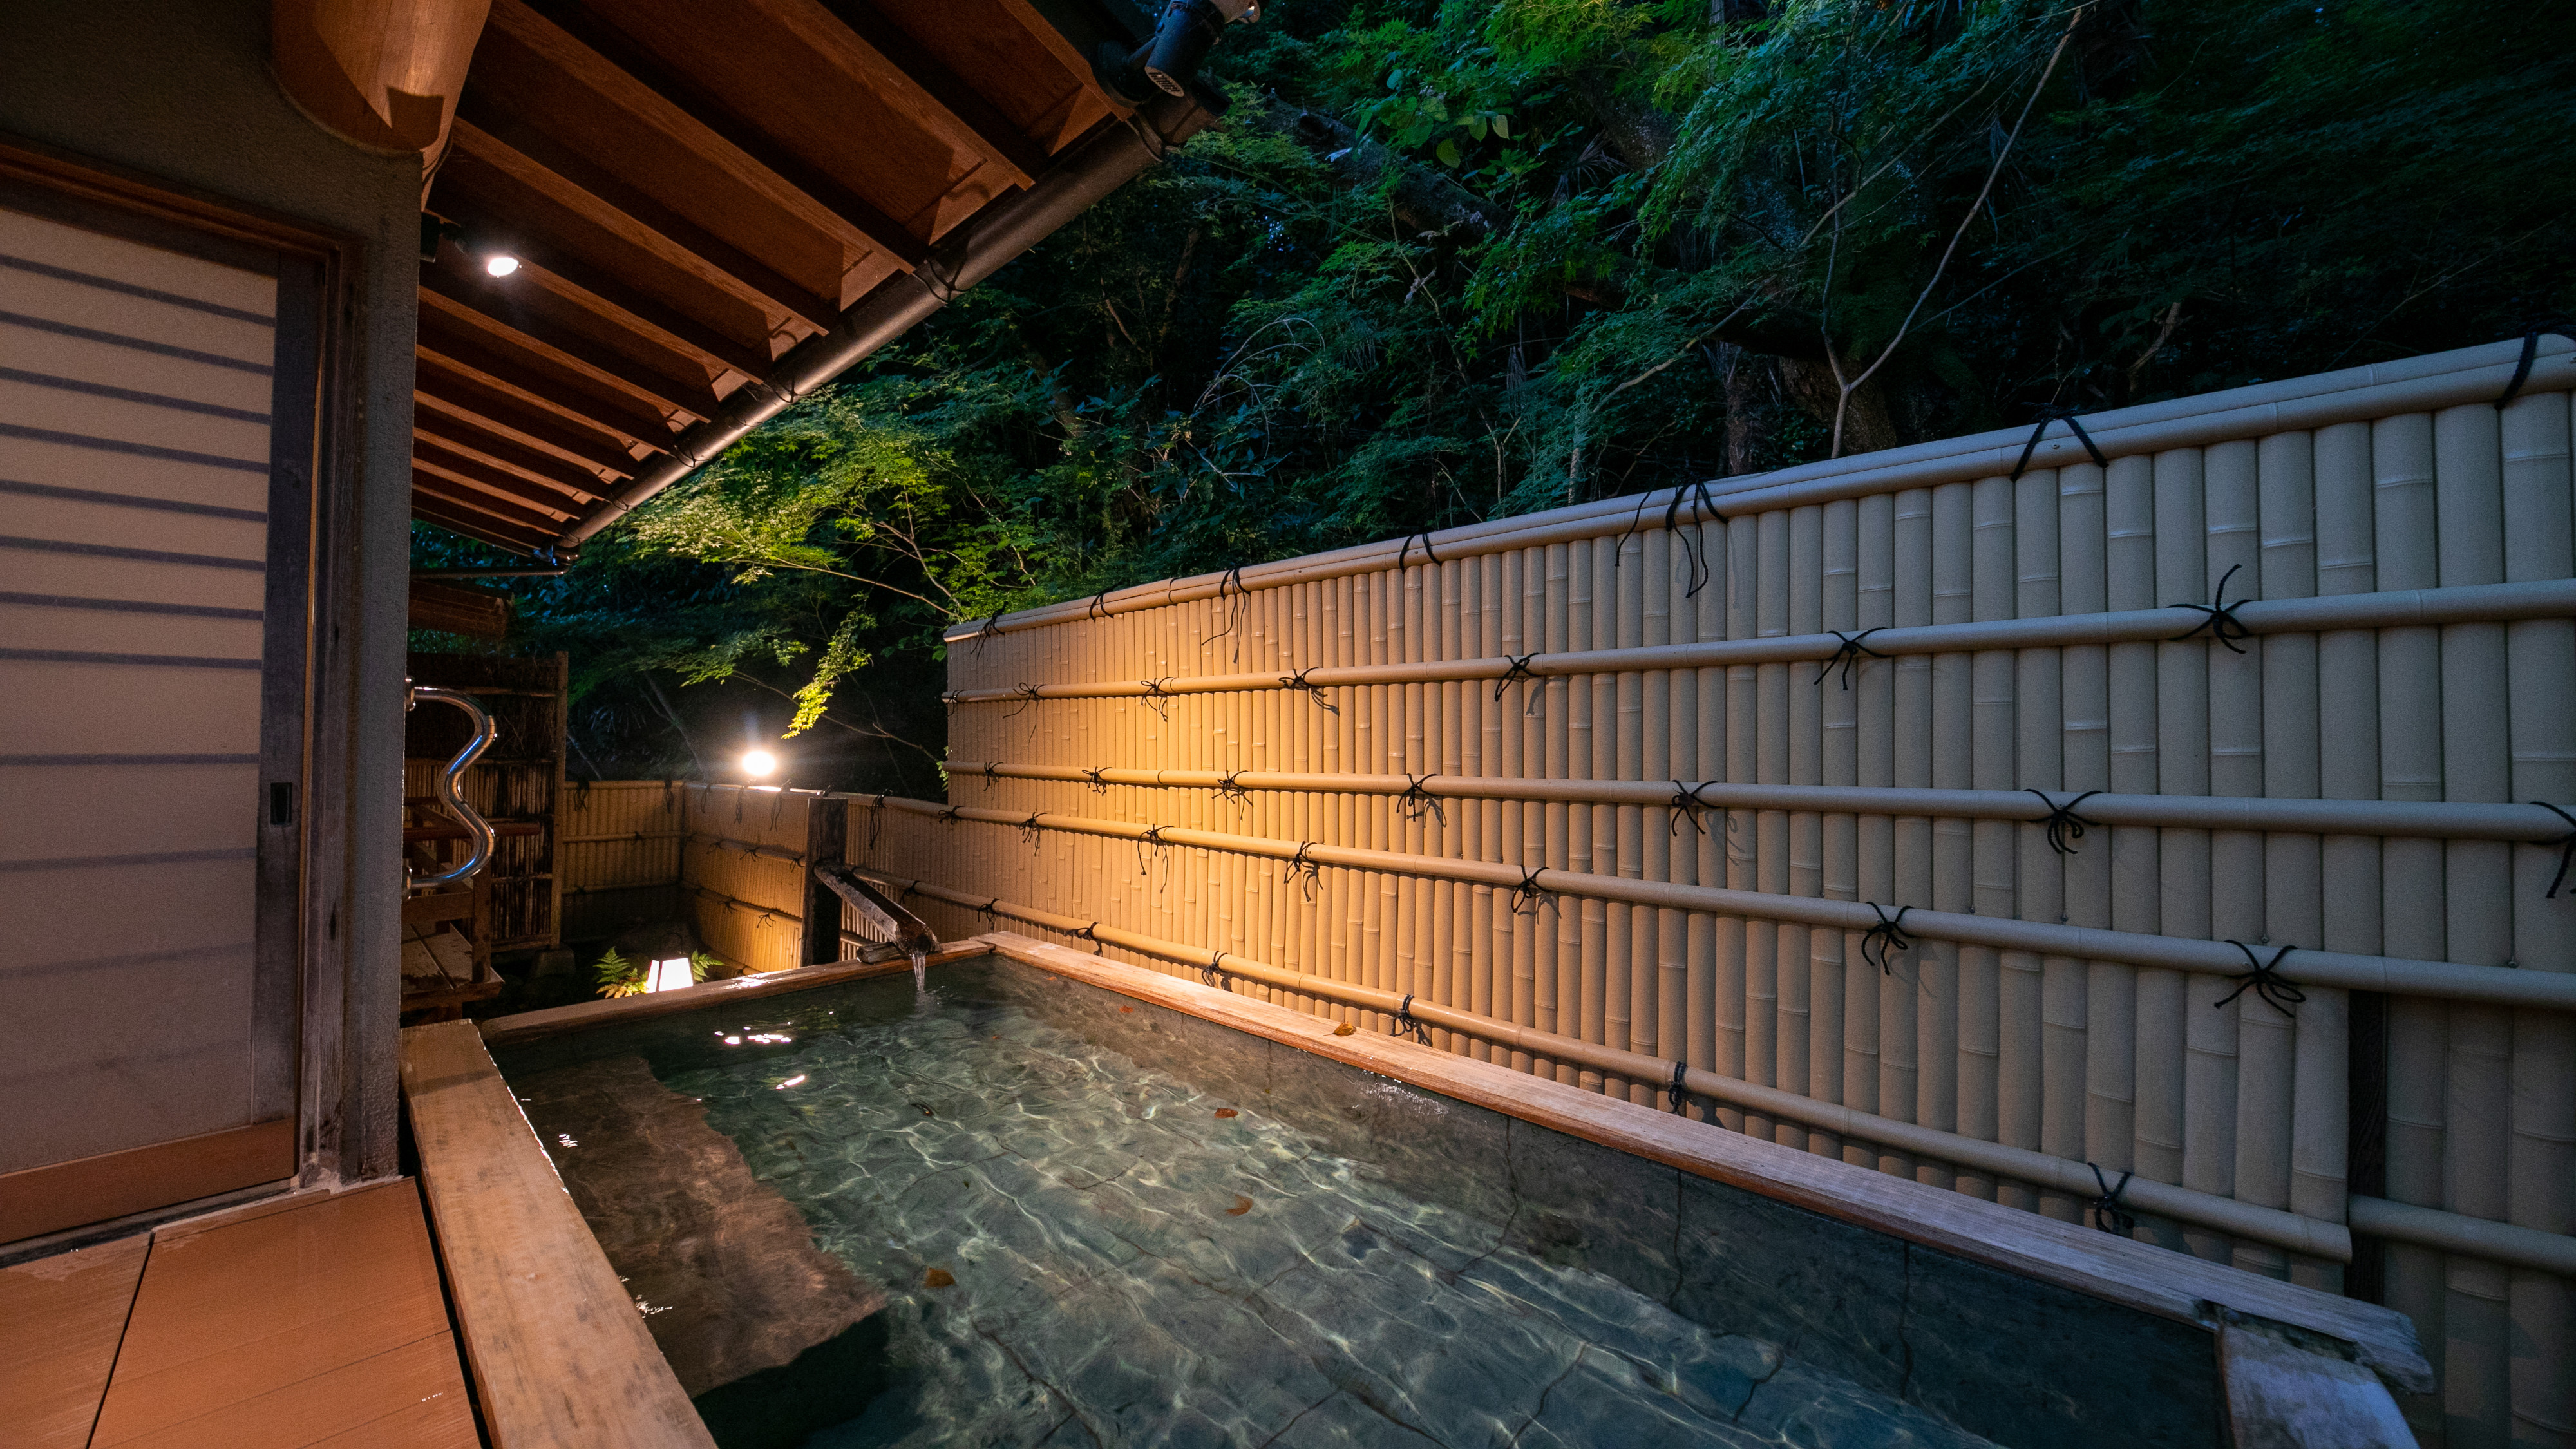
693 187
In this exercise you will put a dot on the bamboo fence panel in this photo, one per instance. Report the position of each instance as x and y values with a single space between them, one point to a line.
1492 723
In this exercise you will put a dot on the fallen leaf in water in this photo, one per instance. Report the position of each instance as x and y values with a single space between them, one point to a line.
1227 1112
1241 1206
1345 1029
1126 1008
938 1278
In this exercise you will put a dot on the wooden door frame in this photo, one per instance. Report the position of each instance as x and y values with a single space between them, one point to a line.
302 971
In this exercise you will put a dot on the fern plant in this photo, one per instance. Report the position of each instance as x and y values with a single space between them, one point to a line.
618 976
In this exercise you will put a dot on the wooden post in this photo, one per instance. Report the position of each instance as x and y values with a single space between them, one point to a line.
827 842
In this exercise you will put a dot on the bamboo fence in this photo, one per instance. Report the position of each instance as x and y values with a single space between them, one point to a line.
1605 794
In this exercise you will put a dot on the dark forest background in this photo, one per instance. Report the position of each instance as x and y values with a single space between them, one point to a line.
1447 261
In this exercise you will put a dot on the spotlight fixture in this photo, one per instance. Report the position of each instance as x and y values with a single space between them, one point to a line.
500 264
1169 61
759 764
436 232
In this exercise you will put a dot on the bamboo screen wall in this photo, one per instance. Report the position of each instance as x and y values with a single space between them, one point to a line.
728 860
1447 768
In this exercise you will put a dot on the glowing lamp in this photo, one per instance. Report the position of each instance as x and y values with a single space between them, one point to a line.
759 763
501 264
669 975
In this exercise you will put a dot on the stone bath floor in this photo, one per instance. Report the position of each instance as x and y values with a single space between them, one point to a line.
1081 1250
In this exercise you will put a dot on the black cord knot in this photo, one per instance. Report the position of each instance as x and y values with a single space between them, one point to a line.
876 823
1091 775
1686 807
1151 841
1089 933
1098 608
1674 1093
1406 547
1230 786
2222 623
1885 939
949 816
2264 980
1520 670
1029 694
1030 830
1416 801
992 773
991 911
2566 848
1404 1022
2531 354
1303 869
2064 825
1694 549
1231 581
952 699
1847 654
2052 415
1158 698
1527 895
1299 680
1213 972
992 628
2107 1211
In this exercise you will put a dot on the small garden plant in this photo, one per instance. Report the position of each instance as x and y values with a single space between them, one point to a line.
620 977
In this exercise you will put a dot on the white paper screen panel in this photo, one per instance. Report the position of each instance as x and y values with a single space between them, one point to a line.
2178 1076
134 464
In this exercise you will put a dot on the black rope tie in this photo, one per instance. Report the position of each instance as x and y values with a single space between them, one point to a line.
876 823
2265 981
1847 654
2064 825
1091 776
1152 840
2222 623
992 773
1098 608
1030 830
1674 1093
1694 548
2566 848
909 887
2052 415
1885 939
948 816
1636 520
2530 355
2108 1213
1231 787
1406 547
1299 680
1300 865
992 628
1231 581
1686 807
991 911
952 699
1416 801
1404 1022
1028 694
1213 973
1527 895
1521 671
1088 933
1157 698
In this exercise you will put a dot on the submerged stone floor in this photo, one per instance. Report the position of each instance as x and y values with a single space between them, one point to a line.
1082 1250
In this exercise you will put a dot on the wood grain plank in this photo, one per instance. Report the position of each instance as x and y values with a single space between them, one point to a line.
556 1020
673 382
326 1404
38 1200
439 457
2284 1396
500 410
429 483
559 1354
433 1424
2102 1265
60 1320
478 525
619 414
148 1403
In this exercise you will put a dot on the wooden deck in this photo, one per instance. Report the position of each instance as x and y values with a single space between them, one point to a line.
308 1322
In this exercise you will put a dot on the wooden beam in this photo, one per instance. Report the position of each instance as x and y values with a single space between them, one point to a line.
510 146
477 525
563 390
465 495
48 1199
533 1292
562 270
459 437
439 458
911 79
600 57
463 294
544 512
439 390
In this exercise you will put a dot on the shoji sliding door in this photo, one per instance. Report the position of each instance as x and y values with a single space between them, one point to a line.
157 393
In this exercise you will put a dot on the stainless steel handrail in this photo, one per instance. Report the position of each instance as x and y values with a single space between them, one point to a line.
448 784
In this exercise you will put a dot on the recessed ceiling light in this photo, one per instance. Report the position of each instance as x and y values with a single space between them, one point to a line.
501 265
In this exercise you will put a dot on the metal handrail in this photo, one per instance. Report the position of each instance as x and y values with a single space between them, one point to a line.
449 788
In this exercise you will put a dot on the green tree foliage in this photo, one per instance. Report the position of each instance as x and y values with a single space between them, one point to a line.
1447 261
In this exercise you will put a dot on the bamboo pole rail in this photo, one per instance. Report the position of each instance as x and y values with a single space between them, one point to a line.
2475 603
746 847
736 903
2467 375
2439 820
2490 1241
2439 980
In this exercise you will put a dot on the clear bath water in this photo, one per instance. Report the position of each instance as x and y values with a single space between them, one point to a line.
1080 1247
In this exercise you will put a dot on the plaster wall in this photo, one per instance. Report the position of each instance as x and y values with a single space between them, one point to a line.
180 90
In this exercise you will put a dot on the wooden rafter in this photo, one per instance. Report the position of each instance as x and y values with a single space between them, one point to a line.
909 78
571 393
464 293
494 452
438 457
507 510
514 537
602 59
439 391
